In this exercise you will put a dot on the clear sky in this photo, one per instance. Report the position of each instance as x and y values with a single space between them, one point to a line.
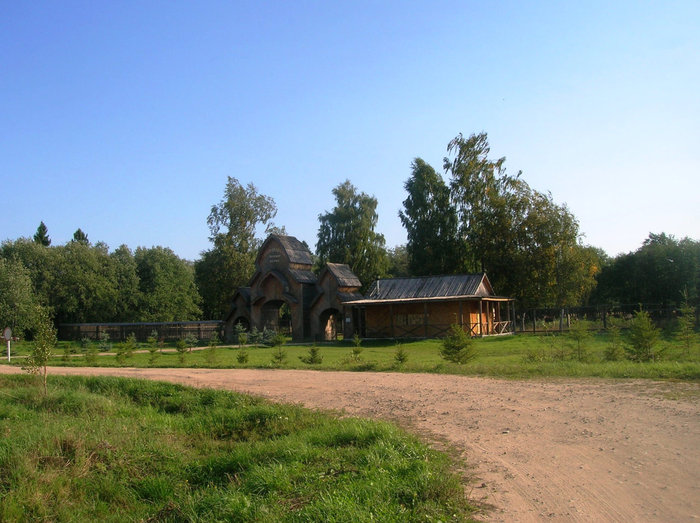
124 118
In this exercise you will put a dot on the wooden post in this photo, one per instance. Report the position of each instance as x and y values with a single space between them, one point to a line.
425 318
481 318
391 320
461 315
534 322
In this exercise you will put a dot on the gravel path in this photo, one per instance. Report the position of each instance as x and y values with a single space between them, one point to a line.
559 450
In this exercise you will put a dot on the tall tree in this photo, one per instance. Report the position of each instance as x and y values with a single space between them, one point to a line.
231 262
41 236
528 244
17 300
346 234
126 279
167 287
430 221
81 237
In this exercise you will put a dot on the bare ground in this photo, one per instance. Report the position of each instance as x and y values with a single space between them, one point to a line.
559 450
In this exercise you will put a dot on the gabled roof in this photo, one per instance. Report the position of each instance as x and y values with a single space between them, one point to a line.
343 275
296 251
430 287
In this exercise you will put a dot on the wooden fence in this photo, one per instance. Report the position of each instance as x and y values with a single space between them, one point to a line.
170 331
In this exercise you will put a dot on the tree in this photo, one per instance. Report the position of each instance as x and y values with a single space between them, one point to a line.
44 343
662 271
42 235
457 346
231 262
166 285
398 262
126 279
17 300
643 336
81 237
430 221
346 234
528 244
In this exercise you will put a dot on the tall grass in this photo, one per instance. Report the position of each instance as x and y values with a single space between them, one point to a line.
105 449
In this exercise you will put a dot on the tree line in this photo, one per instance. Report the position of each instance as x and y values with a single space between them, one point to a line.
475 218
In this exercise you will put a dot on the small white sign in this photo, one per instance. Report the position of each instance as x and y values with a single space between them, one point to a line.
7 333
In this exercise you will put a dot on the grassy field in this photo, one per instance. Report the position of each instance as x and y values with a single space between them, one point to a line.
519 356
104 449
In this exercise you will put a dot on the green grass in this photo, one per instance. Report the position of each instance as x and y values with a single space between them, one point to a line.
519 356
109 449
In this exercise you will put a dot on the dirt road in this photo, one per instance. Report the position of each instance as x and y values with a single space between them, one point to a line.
558 450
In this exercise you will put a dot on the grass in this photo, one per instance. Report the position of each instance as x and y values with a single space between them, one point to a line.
520 356
112 449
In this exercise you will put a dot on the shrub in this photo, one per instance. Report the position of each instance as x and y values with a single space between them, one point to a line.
400 355
614 351
242 357
104 344
579 336
254 336
279 356
181 347
313 357
686 326
457 346
191 341
643 336
152 341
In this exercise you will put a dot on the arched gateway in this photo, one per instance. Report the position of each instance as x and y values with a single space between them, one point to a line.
284 294
283 280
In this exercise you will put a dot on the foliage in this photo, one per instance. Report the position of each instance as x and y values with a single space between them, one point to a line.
80 237
579 334
686 327
42 235
254 336
663 270
242 357
231 261
130 345
104 344
279 355
44 343
347 234
643 337
430 220
166 284
528 244
18 302
240 334
398 262
313 357
152 345
614 351
181 347
457 346
400 355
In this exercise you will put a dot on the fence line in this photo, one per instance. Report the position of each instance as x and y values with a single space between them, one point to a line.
167 331
560 319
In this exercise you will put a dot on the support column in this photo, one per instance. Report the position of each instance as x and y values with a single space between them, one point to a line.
481 317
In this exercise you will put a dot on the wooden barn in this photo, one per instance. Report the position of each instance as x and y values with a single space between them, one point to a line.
284 293
426 307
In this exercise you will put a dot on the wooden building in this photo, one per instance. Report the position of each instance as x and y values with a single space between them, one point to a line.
426 307
320 308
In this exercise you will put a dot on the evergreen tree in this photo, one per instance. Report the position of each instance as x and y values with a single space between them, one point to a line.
42 235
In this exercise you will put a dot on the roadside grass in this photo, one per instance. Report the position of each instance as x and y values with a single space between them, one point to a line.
115 449
519 356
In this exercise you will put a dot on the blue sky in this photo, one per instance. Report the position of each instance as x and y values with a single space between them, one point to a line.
125 118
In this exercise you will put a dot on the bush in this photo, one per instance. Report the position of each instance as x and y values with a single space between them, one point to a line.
181 347
279 356
643 336
242 357
614 351
579 336
457 346
313 357
400 355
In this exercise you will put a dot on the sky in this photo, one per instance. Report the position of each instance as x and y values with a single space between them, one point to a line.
125 118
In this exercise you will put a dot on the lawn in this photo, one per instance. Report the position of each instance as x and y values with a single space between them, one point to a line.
109 449
519 356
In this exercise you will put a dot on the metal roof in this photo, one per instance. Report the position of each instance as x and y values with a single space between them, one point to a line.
430 287
344 275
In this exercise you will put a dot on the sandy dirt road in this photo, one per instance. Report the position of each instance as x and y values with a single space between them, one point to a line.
555 450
